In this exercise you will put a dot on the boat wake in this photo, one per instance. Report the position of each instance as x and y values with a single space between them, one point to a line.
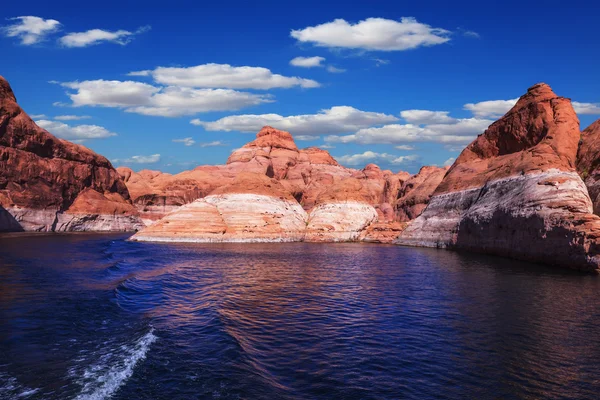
100 380
10 388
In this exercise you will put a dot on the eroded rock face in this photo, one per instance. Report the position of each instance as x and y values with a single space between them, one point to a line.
515 192
254 208
342 212
416 192
44 180
588 162
306 174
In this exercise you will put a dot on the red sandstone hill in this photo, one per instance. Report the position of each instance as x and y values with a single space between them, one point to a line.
51 184
588 162
307 174
514 191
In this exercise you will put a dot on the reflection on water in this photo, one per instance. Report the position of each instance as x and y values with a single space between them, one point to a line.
94 316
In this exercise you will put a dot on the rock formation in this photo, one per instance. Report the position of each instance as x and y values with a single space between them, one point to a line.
341 202
588 162
515 192
341 213
49 184
253 208
416 191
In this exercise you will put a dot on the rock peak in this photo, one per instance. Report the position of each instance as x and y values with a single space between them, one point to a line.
5 90
271 137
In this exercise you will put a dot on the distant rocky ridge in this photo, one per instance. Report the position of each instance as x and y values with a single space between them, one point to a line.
336 203
49 184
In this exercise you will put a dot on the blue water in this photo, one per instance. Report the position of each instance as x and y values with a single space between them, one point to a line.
97 317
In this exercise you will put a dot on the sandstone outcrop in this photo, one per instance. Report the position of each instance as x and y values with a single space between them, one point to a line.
49 184
306 174
515 191
253 208
341 213
416 192
588 162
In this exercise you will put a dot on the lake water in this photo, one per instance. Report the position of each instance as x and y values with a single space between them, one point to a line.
97 317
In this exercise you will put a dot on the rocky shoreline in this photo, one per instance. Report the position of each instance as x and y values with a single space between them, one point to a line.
526 188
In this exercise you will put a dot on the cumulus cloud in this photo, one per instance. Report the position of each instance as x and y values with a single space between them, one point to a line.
586 108
373 34
96 36
146 99
305 138
405 147
154 158
373 157
30 30
461 132
71 117
38 116
307 62
497 108
188 141
78 132
427 117
490 108
224 76
337 119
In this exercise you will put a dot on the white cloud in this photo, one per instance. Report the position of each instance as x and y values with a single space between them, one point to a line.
171 101
370 156
154 158
405 147
213 144
31 30
224 76
497 108
38 116
335 70
145 72
338 119
188 141
78 132
373 34
490 108
427 117
110 93
97 36
461 132
586 108
471 34
449 161
307 62
326 146
305 138
380 61
71 117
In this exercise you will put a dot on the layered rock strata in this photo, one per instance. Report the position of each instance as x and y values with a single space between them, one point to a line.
254 208
515 192
588 162
49 184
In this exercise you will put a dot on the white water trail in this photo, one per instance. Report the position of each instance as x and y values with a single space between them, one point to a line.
100 381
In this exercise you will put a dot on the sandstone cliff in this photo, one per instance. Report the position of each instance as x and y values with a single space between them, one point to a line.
515 192
49 184
588 162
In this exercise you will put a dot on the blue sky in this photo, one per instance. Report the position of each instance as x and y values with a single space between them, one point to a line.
401 84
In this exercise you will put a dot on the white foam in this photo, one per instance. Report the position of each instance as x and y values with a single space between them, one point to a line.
10 388
100 381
